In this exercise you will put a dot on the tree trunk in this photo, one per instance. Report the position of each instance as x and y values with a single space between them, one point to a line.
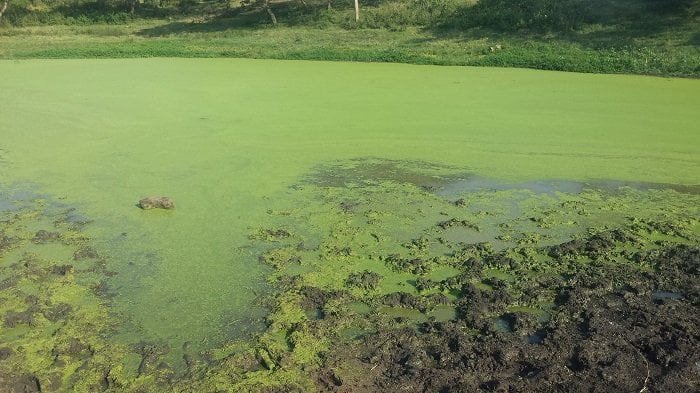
269 11
357 10
4 7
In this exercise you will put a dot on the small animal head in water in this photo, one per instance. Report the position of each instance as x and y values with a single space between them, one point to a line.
156 203
166 203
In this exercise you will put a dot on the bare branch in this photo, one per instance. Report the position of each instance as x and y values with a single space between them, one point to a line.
269 11
645 388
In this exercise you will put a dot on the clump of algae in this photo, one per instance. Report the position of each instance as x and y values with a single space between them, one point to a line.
55 315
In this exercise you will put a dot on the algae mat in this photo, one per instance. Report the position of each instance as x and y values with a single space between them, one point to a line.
83 141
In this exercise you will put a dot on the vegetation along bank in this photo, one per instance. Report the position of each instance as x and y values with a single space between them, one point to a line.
658 37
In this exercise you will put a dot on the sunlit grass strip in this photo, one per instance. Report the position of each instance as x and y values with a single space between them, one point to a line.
412 46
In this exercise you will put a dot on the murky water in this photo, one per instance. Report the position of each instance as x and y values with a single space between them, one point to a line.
226 138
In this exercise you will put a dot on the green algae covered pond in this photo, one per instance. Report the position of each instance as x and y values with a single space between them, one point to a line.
322 207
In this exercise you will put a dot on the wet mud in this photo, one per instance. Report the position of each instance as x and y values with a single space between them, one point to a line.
367 171
607 332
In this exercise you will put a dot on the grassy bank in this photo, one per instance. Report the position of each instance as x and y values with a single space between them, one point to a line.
665 46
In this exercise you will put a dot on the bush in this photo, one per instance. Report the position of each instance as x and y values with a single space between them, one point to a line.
399 14
537 15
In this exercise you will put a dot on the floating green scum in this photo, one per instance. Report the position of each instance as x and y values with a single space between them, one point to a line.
323 207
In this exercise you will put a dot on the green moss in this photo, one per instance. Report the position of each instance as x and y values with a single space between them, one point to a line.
287 312
307 348
63 345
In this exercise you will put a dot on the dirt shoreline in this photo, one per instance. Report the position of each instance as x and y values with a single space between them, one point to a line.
609 307
600 337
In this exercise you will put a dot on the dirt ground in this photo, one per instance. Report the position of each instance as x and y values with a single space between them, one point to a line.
612 330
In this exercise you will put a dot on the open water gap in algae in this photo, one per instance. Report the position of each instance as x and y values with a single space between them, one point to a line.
475 251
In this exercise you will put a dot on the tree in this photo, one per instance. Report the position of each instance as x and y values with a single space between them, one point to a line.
4 7
266 5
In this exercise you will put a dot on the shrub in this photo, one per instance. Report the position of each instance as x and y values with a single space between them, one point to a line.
538 15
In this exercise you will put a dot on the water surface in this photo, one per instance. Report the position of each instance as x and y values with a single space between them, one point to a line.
225 137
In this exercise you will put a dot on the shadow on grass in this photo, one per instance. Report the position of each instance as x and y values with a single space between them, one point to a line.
242 18
252 16
194 26
596 24
593 24
695 39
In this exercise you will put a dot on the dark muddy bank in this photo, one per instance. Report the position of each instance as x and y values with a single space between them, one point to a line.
611 330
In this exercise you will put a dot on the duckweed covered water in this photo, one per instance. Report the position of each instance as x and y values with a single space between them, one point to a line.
318 170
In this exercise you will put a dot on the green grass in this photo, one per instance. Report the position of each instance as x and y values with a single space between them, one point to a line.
670 53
